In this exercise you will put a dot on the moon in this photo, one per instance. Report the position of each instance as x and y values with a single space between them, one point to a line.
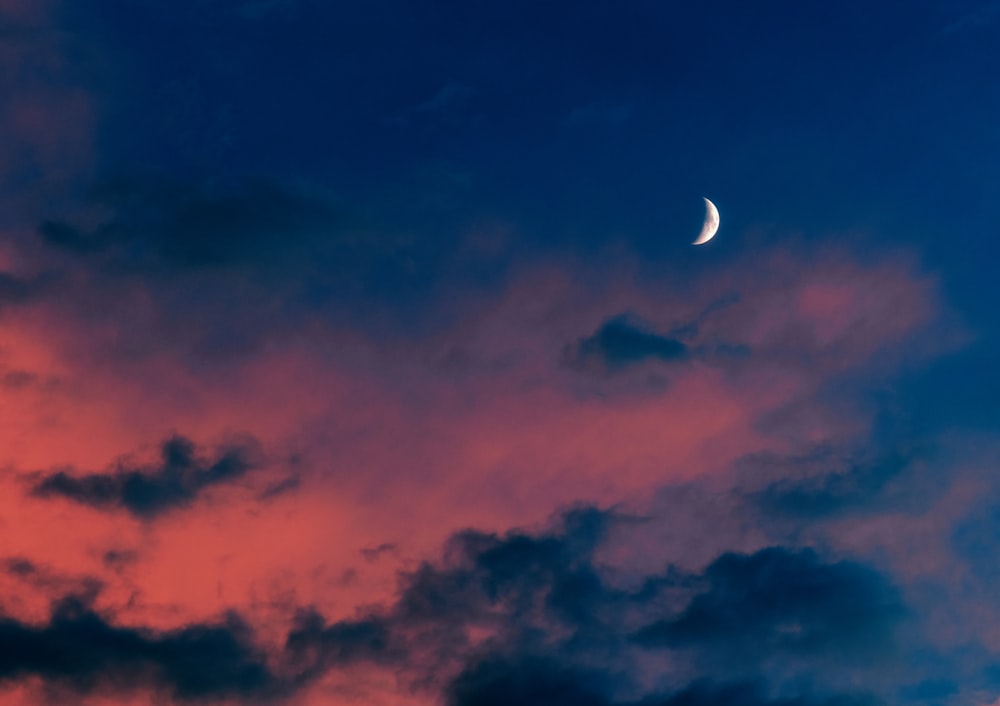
711 225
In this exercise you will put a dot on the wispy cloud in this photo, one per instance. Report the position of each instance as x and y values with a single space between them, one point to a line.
147 492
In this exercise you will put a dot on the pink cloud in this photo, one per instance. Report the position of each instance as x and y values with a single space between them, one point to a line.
406 442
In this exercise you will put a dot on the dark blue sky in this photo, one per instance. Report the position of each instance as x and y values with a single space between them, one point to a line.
590 124
585 124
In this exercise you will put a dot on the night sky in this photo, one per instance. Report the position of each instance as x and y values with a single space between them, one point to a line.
358 354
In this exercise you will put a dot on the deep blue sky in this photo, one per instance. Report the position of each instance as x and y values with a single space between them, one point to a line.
582 124
588 124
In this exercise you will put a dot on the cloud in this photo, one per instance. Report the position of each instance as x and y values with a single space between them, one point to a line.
541 682
146 492
374 553
787 601
159 224
123 299
519 572
498 445
621 342
147 264
18 379
315 647
531 618
531 682
509 585
520 617
707 693
79 649
44 581
280 488
843 485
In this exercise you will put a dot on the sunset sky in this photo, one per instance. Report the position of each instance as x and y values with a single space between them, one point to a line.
357 354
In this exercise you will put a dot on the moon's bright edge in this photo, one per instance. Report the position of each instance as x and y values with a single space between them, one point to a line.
711 225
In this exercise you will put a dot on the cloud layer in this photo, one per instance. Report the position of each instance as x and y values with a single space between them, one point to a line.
529 617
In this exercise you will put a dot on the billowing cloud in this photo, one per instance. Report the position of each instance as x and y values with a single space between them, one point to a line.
525 617
784 601
80 650
534 618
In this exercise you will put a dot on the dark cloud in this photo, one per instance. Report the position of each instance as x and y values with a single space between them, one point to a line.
315 646
518 586
157 224
544 682
624 340
147 492
67 237
81 650
783 601
557 631
519 572
706 693
551 615
213 271
45 581
18 379
282 487
373 553
118 559
529 682
842 485
621 342
19 566
513 584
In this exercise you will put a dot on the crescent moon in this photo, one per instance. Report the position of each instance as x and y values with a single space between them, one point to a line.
711 225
